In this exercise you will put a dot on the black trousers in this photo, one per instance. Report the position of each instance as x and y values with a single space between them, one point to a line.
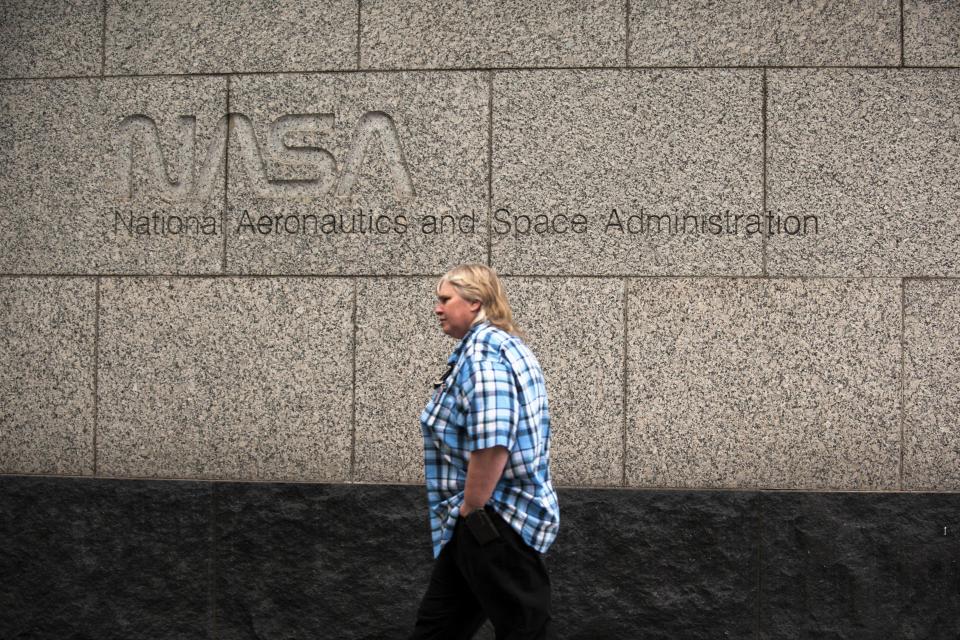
505 580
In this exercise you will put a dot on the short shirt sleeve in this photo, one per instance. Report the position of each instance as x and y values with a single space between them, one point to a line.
489 400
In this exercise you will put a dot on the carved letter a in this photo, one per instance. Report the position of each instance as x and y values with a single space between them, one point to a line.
381 124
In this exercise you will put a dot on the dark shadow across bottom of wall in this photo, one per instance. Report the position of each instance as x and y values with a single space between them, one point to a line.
181 560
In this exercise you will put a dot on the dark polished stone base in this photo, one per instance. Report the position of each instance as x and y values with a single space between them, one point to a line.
130 559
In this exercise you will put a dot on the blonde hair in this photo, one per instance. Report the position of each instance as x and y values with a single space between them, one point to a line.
480 283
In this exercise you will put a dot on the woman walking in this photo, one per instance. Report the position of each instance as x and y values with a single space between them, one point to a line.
493 509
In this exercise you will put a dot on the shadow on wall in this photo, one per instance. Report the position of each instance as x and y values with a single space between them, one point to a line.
179 560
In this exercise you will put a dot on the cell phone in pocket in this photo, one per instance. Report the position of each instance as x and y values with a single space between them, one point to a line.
481 527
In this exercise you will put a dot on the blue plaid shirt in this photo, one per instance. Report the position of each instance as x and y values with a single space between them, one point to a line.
494 394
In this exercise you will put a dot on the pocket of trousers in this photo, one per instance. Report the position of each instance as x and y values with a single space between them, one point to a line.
481 525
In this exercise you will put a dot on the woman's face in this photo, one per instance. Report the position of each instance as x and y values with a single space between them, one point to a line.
454 313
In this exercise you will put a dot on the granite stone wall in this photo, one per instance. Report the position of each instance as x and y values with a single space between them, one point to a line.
729 230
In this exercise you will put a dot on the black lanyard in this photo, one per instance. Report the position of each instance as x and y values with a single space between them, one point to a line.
445 375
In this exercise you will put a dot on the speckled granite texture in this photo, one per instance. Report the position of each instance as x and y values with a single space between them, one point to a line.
167 560
931 424
487 33
401 350
207 36
395 175
931 32
225 378
46 377
764 32
51 38
874 154
641 143
85 189
584 374
763 383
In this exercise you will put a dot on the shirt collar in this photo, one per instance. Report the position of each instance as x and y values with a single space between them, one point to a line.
463 341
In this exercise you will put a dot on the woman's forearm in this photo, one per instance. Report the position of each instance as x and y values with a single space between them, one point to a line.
483 473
